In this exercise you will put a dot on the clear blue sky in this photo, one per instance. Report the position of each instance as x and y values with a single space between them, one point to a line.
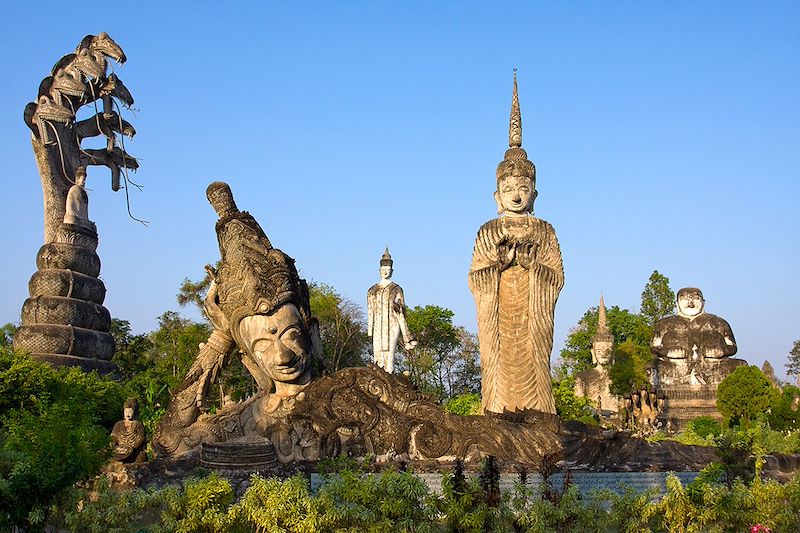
666 136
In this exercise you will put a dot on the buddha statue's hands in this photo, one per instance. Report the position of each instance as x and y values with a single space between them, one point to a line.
506 252
526 254
211 305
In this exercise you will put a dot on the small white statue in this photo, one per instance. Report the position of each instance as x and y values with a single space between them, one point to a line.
77 208
387 318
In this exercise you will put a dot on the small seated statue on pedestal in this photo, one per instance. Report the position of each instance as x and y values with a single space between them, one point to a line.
77 206
594 383
128 436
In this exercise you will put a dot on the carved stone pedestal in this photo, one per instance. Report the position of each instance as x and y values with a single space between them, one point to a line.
64 322
690 389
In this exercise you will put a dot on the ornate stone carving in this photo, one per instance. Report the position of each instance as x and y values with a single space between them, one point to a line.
64 322
365 411
693 352
77 80
258 303
642 410
128 436
594 383
386 310
515 278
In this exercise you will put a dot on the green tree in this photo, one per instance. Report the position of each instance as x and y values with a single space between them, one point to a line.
658 300
7 332
54 431
785 415
434 362
569 406
341 327
745 395
193 292
793 364
624 326
131 353
628 372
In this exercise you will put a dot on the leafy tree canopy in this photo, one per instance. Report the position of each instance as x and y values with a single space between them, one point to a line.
745 395
793 364
658 300
445 362
341 327
624 326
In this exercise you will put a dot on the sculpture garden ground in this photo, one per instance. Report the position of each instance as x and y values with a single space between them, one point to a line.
244 412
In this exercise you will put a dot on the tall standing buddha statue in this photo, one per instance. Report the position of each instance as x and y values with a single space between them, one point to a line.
515 277
386 322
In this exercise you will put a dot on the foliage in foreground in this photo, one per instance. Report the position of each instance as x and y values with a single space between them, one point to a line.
397 501
54 431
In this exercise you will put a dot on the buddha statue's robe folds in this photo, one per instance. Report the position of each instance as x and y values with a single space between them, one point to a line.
515 313
386 307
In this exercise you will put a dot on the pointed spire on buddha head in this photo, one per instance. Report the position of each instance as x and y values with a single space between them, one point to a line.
516 172
602 341
386 264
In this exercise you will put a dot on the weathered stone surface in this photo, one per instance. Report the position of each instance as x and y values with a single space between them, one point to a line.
515 277
64 321
65 340
258 303
595 383
68 284
62 310
128 436
62 256
254 454
386 317
588 448
693 352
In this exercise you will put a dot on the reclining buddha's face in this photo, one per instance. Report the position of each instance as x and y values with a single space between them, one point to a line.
279 343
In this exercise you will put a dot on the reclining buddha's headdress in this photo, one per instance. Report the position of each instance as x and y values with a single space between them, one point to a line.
254 278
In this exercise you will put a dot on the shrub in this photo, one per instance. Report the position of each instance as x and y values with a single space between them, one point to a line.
464 404
745 395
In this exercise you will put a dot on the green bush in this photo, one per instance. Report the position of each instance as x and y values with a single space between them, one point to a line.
464 404
745 395
54 431
397 501
705 426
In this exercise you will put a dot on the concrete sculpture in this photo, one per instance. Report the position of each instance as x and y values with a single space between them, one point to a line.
515 278
386 321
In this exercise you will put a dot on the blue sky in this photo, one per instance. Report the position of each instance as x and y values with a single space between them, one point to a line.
665 134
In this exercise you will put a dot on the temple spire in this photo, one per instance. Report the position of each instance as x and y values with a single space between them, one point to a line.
386 258
602 326
515 122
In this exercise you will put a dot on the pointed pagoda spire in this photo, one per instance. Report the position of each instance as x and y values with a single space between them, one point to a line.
515 159
515 122
603 332
602 326
386 258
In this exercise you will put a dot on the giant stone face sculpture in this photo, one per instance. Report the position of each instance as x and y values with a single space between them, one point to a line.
258 304
515 278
